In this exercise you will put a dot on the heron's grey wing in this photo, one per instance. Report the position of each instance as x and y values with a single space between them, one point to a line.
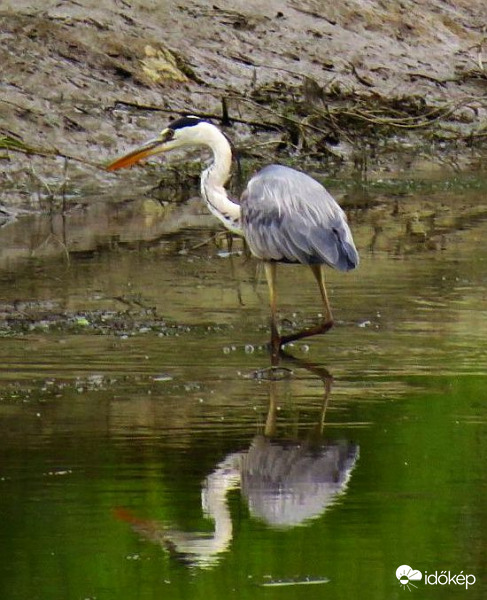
289 216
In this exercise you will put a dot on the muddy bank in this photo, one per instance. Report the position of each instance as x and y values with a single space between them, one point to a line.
344 85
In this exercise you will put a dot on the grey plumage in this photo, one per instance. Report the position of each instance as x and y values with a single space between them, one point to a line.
287 484
288 216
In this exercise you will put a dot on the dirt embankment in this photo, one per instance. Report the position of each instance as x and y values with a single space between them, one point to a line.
347 82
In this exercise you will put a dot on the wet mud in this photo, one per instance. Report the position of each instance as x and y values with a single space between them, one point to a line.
345 86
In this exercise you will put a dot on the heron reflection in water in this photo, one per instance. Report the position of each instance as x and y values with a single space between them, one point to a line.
285 482
284 215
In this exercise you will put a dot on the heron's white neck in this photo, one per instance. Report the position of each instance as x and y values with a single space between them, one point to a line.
213 180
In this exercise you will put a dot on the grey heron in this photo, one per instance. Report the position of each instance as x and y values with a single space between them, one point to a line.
284 215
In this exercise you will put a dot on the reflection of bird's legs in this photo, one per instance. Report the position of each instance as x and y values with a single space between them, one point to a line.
327 322
270 422
270 273
327 381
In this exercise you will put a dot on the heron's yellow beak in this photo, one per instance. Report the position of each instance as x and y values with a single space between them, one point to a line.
154 146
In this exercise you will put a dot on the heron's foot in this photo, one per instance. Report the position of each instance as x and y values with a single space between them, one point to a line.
278 341
304 333
275 343
273 373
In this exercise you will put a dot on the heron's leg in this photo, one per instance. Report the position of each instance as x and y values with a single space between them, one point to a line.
320 278
327 322
270 273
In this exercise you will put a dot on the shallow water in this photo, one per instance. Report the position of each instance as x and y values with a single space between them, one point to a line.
146 452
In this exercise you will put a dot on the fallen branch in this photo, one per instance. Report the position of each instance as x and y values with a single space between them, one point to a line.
14 144
201 115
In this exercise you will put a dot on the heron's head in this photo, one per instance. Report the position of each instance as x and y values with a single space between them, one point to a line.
183 132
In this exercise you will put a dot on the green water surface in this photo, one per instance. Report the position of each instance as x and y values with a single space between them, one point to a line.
126 454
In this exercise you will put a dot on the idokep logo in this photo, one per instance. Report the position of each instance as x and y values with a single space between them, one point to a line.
406 575
449 578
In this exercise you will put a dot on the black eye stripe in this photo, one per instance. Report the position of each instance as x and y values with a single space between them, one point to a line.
184 122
